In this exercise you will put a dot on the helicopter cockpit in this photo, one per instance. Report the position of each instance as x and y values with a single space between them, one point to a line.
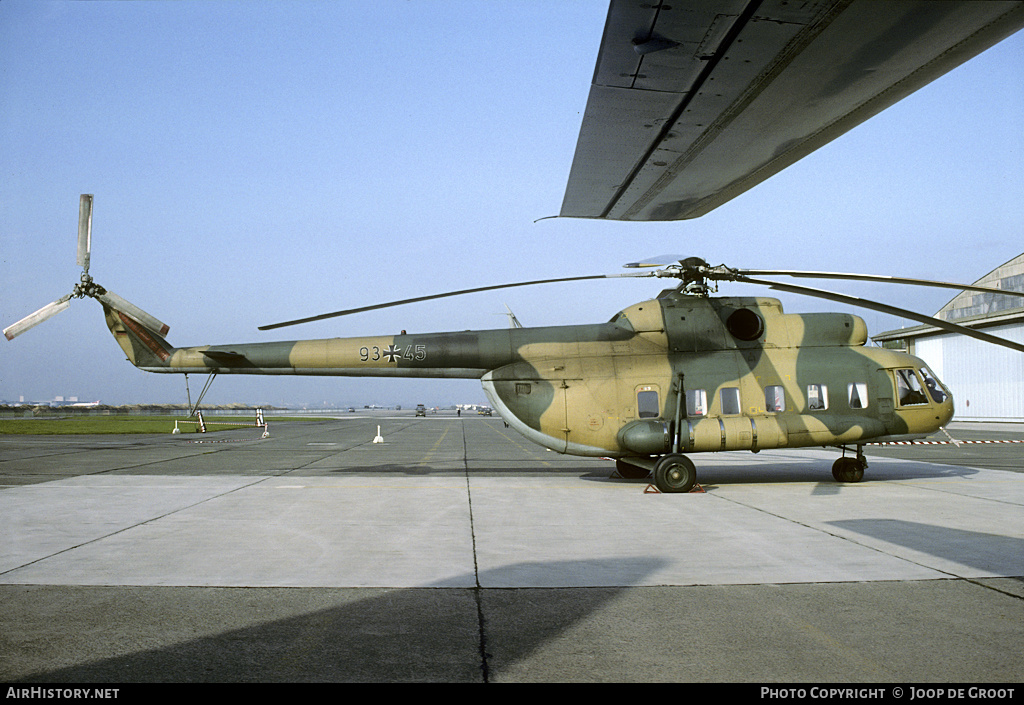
915 387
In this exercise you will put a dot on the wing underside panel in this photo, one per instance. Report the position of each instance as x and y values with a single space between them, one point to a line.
694 103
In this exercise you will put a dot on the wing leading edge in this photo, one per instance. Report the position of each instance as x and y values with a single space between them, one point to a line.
694 102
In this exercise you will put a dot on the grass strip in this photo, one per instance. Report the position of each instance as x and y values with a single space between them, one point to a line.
88 425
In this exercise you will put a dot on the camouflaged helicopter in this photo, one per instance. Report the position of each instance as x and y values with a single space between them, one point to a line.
680 374
688 371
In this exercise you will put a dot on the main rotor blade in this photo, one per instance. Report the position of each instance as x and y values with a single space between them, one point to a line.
876 278
84 230
34 319
656 261
446 294
124 306
884 308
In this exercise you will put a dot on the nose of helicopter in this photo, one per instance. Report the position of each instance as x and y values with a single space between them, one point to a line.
946 411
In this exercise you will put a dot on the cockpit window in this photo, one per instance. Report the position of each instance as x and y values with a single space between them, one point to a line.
935 389
908 388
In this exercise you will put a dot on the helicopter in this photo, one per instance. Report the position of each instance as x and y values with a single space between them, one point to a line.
688 371
677 375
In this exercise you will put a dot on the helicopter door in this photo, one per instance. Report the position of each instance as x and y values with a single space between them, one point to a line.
737 431
715 421
560 409
713 415
534 406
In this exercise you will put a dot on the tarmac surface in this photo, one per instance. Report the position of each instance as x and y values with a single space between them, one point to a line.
457 551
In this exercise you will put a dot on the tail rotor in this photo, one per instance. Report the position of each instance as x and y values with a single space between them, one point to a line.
86 287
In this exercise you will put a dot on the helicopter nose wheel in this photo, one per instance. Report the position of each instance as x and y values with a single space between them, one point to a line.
847 469
675 473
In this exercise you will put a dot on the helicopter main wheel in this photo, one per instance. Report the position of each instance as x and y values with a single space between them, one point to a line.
848 469
628 471
675 473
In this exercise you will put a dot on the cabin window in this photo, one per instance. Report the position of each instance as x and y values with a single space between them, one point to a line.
858 392
817 397
696 402
730 397
647 406
934 387
523 388
774 398
908 388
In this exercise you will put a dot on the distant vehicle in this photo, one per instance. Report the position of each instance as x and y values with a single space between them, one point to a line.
485 411
351 410
421 410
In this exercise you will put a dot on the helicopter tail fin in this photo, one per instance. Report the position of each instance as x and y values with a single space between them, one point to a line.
145 348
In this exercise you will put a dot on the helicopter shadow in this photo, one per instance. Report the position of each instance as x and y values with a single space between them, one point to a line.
713 470
790 467
393 469
332 634
480 469
991 553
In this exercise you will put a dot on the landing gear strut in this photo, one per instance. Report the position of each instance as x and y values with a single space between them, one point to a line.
850 469
675 473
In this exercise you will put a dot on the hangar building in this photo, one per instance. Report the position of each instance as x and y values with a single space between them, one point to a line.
987 381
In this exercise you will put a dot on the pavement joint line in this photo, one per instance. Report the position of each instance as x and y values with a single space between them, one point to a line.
933 486
848 539
600 617
993 588
477 594
514 442
429 455
137 524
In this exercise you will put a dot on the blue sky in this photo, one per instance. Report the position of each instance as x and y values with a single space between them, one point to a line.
262 161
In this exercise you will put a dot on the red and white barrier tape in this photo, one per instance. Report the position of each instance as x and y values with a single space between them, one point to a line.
938 443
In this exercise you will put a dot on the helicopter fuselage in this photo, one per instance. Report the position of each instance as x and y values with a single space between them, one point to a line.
679 373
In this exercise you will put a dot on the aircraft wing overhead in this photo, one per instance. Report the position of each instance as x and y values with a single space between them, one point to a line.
695 101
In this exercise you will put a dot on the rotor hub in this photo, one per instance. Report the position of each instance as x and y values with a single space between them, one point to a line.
693 272
87 288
